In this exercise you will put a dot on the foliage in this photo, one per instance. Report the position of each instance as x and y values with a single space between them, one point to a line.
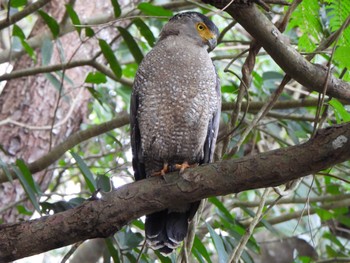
104 161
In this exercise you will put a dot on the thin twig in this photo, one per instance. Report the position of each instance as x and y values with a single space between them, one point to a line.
71 251
237 252
10 20
322 95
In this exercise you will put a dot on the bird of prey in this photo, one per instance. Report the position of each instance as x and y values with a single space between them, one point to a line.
175 111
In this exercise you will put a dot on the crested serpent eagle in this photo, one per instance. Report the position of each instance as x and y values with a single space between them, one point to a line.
175 111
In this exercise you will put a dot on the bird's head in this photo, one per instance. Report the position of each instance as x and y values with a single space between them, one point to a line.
194 25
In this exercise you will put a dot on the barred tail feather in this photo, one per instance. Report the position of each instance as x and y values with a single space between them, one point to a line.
165 230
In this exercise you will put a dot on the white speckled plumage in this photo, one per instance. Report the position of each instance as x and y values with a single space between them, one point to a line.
176 102
175 108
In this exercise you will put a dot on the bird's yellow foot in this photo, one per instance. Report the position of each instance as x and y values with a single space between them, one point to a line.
163 171
183 166
172 168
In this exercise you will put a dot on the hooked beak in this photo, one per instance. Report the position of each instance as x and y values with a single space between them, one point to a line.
212 42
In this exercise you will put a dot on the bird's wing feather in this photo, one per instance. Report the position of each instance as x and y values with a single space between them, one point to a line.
137 159
213 128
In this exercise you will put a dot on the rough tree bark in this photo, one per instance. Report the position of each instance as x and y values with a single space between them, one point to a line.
103 217
32 101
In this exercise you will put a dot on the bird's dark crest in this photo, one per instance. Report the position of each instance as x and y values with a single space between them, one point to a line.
193 14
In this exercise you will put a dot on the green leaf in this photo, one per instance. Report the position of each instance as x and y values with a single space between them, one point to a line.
104 183
230 89
333 189
18 3
263 221
306 17
27 183
303 259
6 171
29 50
132 45
324 214
51 23
23 210
138 223
111 249
162 258
125 93
89 32
46 51
110 57
342 56
97 95
116 8
145 31
338 11
219 245
128 239
53 80
88 176
28 176
66 78
153 10
17 32
74 18
306 43
201 249
334 240
221 207
198 256
110 135
96 78
341 114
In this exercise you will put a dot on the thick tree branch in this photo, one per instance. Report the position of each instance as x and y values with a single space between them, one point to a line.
73 140
103 217
312 76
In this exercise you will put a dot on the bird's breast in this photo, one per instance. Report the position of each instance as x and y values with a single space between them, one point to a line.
177 100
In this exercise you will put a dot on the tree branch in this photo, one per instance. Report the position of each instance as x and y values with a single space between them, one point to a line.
77 63
294 200
73 140
285 104
312 210
312 76
76 138
105 216
22 14
36 41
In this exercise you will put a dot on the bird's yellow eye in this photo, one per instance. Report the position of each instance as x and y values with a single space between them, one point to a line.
201 26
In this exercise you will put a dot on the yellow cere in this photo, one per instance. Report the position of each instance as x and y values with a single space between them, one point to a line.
204 31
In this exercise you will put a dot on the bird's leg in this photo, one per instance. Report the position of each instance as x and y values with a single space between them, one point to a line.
172 168
163 171
182 166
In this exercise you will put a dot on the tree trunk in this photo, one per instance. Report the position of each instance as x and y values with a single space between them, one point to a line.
34 103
